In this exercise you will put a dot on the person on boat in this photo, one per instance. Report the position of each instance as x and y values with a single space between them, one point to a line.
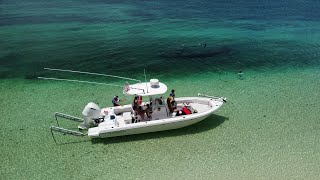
140 112
148 111
116 101
135 103
170 103
158 103
159 100
172 93
137 108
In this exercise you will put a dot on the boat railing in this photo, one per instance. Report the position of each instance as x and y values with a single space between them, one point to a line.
224 99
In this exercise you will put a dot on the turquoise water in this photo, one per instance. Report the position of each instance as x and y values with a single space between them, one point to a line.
268 130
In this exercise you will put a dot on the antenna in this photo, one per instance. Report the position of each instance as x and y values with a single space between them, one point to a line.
145 79
72 80
81 72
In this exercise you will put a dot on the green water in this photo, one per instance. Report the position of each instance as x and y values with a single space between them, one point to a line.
268 129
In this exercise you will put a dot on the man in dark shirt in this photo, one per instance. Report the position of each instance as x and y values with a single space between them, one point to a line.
172 93
115 101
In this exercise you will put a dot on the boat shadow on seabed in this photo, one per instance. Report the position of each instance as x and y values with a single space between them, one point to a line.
210 123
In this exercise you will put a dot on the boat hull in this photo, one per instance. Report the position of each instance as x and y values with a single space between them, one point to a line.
146 129
205 106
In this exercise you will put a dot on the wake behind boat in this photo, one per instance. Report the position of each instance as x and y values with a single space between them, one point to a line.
151 113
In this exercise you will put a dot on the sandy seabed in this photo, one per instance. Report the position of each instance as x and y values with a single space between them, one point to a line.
269 129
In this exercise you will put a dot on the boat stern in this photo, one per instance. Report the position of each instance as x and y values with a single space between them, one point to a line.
93 132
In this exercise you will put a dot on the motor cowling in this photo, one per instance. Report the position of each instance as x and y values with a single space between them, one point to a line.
90 112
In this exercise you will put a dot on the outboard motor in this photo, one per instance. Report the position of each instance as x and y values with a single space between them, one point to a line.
90 112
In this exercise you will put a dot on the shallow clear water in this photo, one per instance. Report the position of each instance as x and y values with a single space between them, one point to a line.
268 130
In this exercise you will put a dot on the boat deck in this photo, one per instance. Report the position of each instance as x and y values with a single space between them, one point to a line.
126 116
158 113
125 121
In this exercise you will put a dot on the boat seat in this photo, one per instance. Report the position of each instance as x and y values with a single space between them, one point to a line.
160 113
127 118
119 121
122 109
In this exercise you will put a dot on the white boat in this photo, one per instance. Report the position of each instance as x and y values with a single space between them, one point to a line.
124 120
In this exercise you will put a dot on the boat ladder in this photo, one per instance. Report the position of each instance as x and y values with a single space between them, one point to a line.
63 130
66 116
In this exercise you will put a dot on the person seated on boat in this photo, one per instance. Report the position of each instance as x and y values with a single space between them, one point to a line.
173 101
159 100
135 103
171 107
137 109
140 112
116 101
148 111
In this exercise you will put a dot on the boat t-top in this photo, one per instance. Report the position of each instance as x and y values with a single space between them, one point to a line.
163 113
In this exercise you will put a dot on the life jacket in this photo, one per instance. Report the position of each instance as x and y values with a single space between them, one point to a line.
186 111
140 100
